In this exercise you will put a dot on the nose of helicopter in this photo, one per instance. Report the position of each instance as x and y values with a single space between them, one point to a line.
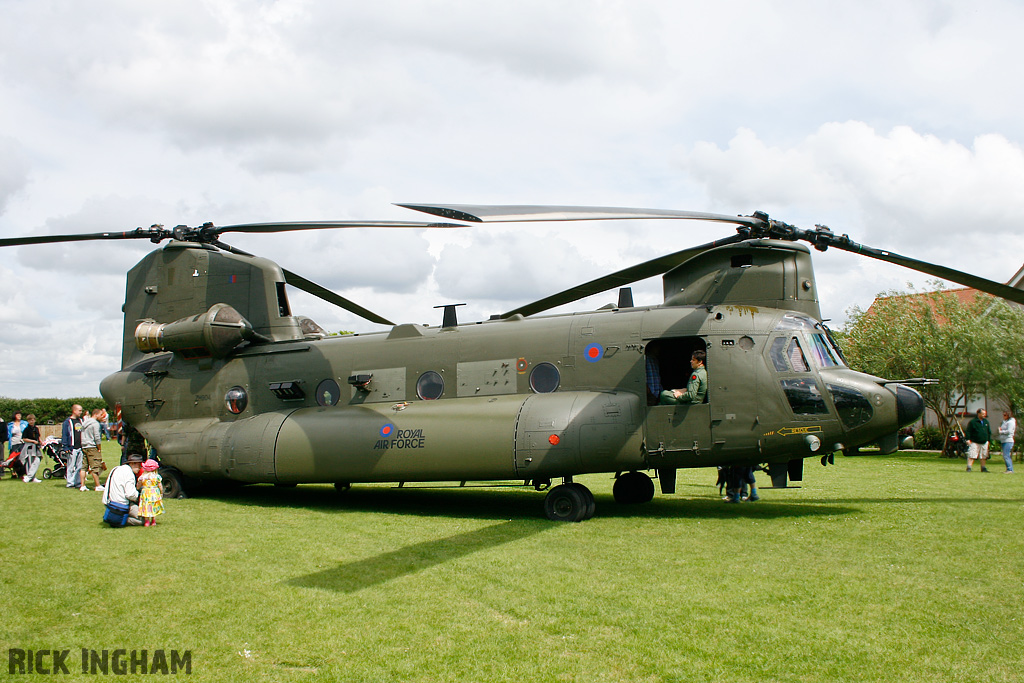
909 405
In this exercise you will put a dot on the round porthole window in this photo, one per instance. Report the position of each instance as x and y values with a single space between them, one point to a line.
429 386
236 399
327 393
544 378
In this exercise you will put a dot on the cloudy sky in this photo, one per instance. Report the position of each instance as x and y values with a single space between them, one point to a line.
897 122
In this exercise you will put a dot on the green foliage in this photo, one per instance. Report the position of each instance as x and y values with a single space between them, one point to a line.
972 347
928 439
47 410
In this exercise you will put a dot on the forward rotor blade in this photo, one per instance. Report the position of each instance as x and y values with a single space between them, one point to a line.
208 233
483 213
641 271
327 295
981 284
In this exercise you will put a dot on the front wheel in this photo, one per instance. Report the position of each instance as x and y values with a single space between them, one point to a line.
568 503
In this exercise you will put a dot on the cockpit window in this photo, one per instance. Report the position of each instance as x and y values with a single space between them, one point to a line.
796 357
821 351
778 354
795 321
804 397
853 408
787 355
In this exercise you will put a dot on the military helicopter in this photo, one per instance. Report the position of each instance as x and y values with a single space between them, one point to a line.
226 383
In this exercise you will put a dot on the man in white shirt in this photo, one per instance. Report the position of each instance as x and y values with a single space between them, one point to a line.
121 487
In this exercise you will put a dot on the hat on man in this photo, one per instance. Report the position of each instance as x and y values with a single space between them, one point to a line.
135 457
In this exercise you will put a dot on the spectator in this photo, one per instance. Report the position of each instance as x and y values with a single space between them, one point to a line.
92 460
121 490
14 434
1006 432
30 453
71 438
151 493
979 433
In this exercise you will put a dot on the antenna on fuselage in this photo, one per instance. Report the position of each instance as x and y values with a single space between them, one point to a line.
450 320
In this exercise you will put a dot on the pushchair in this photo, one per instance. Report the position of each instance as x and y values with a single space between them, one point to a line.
59 454
14 465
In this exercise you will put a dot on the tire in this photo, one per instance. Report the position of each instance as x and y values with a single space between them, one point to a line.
633 488
174 486
566 503
591 504
47 473
342 486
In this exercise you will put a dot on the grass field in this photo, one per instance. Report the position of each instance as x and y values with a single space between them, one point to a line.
880 568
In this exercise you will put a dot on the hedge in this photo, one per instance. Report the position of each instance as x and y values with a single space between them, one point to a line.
47 410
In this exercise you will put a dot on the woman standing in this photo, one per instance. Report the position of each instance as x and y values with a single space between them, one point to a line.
30 454
1006 432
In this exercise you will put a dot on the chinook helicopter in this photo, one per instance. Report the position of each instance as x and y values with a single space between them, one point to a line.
227 383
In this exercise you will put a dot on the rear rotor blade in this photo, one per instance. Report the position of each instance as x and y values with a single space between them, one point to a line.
511 213
327 295
155 233
641 271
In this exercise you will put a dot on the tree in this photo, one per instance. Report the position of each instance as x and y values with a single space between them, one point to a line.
969 341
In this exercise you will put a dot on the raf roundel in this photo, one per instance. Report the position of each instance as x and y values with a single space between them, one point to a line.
387 430
593 352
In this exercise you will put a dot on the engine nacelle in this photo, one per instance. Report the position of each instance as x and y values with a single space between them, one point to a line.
212 334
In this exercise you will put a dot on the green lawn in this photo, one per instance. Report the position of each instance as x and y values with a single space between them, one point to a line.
880 568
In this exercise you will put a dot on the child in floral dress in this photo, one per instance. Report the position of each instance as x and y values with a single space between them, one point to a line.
151 492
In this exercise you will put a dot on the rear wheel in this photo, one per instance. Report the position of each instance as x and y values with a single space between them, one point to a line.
173 483
47 473
567 503
633 487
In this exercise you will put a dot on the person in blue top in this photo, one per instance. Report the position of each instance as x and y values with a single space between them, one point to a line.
14 429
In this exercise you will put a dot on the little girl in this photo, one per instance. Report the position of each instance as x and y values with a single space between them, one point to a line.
151 492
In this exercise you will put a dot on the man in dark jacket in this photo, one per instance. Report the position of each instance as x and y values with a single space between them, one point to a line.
978 435
71 438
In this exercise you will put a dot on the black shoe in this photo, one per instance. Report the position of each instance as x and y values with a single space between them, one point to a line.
984 469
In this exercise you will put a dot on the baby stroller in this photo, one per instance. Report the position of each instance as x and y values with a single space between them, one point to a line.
59 454
13 464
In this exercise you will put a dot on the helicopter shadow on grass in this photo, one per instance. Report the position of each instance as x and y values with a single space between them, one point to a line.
379 569
507 503
372 571
517 511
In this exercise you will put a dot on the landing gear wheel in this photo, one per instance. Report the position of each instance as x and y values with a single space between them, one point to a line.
632 488
342 486
173 485
567 503
47 473
591 504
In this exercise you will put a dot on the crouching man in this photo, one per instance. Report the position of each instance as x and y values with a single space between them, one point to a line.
121 495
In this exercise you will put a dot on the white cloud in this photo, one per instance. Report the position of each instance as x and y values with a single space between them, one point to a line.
894 122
